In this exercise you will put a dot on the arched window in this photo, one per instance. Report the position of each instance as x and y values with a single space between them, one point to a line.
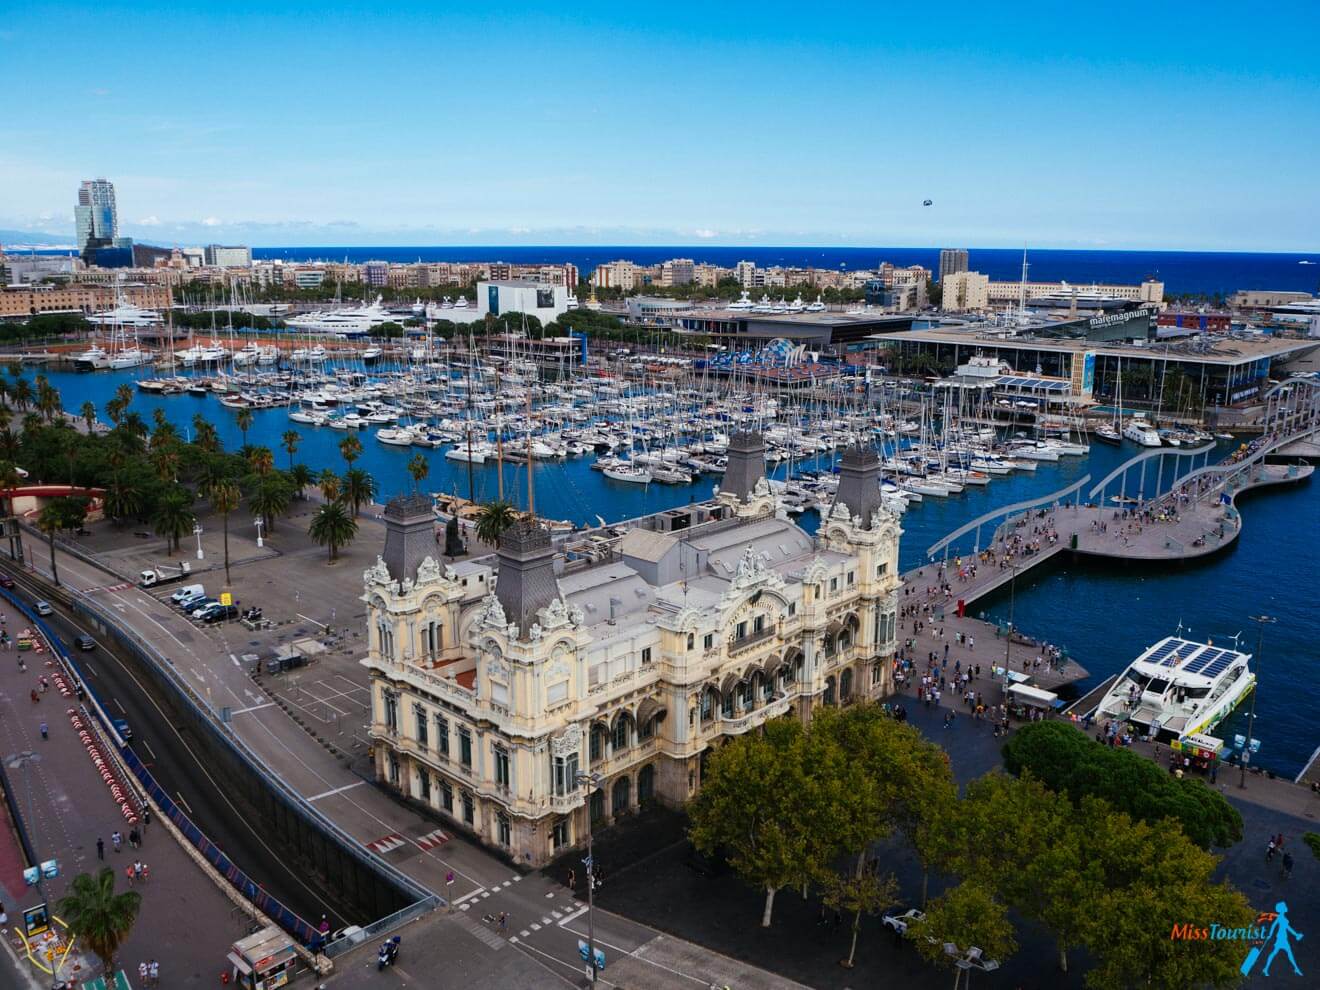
622 795
645 784
845 685
622 732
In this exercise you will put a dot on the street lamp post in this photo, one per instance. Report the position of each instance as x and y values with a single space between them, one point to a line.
197 532
1261 622
593 781
258 522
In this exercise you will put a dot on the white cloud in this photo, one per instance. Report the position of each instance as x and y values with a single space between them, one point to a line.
704 233
211 222
151 221
520 230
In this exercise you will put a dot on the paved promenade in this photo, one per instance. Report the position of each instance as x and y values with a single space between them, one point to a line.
186 924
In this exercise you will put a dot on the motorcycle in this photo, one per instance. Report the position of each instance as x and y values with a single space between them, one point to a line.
389 952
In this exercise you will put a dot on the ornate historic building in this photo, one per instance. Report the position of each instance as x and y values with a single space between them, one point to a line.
496 681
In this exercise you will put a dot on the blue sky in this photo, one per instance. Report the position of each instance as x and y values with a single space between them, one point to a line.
1060 125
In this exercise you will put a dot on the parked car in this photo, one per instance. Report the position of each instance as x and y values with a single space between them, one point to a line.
43 607
186 592
190 602
200 608
900 922
85 642
220 613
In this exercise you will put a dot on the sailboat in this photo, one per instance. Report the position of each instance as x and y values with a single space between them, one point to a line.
1112 432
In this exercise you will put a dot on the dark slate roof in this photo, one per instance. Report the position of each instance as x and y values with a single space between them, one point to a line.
409 535
526 572
746 464
859 483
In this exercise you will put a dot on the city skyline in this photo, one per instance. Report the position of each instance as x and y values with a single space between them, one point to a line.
755 132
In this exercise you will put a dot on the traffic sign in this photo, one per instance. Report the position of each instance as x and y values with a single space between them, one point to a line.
226 598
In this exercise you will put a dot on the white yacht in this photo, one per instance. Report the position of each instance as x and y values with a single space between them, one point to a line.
356 321
212 353
303 355
1141 432
128 317
634 473
93 359
1179 688
743 305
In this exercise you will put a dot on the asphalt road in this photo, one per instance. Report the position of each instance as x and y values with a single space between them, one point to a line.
171 751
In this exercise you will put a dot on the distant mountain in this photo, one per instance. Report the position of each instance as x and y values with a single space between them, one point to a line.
17 237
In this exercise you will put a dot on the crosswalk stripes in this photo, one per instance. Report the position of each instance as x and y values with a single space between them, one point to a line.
432 839
480 931
386 843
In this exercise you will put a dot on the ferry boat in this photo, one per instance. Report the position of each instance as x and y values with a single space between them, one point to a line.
1179 688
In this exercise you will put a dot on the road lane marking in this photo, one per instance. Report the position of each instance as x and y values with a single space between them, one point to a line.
119 706
254 708
186 807
468 896
150 750
575 915
333 790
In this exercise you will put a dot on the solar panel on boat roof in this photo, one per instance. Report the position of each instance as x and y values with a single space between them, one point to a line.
1163 651
1219 666
1199 663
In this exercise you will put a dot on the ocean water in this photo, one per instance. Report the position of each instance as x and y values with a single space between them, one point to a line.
1104 615
1182 271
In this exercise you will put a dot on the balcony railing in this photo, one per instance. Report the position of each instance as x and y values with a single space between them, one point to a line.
740 724
750 641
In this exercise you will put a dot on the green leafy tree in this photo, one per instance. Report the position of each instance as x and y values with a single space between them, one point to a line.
261 459
329 484
301 476
856 894
225 497
22 393
290 441
332 527
1150 880
419 467
758 805
99 916
65 513
493 519
966 916
357 488
1065 760
88 413
173 517
205 435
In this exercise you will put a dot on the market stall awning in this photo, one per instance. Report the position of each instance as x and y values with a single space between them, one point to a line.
1033 695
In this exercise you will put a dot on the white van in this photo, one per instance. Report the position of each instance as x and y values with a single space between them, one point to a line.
186 592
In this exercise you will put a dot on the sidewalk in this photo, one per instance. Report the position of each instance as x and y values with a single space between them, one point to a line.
185 923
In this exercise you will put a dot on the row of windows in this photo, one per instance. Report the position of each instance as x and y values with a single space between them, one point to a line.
431 637
466 801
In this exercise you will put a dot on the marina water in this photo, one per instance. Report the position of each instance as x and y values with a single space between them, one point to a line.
1103 614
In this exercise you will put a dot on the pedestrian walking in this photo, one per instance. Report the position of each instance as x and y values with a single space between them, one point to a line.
1269 850
137 869
128 872
504 922
134 839
35 697
45 730
116 839
572 881
142 972
146 872
146 820
1287 865
153 971
100 848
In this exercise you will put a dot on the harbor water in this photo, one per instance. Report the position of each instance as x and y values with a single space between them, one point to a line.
1103 614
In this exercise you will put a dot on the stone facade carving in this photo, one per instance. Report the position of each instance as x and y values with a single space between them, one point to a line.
377 573
492 613
567 742
428 571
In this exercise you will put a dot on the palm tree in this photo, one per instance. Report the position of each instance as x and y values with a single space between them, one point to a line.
165 460
244 420
48 400
332 527
261 460
88 413
358 488
301 476
328 482
123 496
204 434
124 393
9 480
67 512
493 519
290 440
22 393
173 517
350 448
419 467
270 499
99 916
224 500
9 444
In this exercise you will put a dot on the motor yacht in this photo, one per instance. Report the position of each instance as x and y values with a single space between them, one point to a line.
1141 432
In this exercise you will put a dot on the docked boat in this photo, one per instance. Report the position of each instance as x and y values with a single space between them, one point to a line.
1106 433
1141 432
1178 688
93 359
629 472
354 321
